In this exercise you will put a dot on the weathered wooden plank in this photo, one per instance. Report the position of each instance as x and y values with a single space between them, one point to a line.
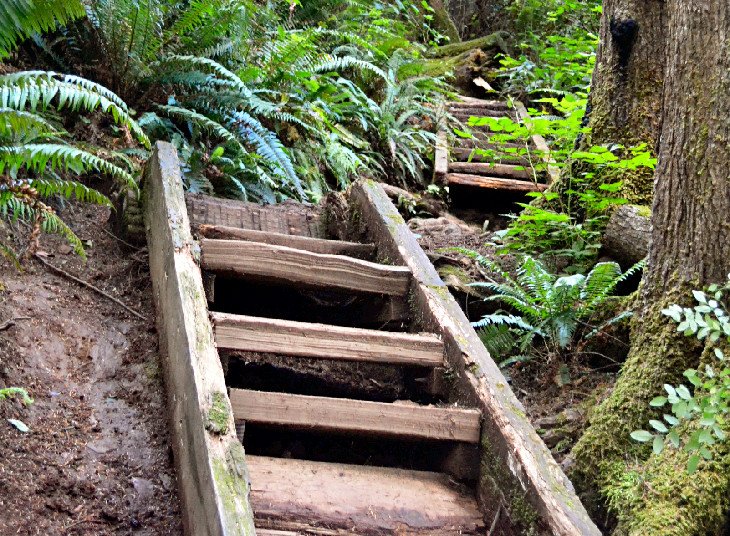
254 334
492 170
483 103
307 243
347 415
494 183
441 157
359 499
285 218
209 458
285 264
516 463
469 154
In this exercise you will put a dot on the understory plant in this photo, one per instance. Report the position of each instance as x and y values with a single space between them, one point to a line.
544 312
695 415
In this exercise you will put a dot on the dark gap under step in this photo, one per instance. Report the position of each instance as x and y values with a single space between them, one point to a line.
460 461
321 377
337 308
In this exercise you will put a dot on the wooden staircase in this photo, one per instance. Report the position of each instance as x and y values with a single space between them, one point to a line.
332 351
501 166
306 496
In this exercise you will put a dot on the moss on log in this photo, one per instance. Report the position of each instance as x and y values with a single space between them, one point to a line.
442 20
493 42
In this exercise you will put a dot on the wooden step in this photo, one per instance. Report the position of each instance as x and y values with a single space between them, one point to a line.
494 183
306 243
466 154
306 497
464 115
408 420
492 170
483 142
252 334
295 266
472 102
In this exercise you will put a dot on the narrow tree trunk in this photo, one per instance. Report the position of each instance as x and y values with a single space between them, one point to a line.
626 89
688 249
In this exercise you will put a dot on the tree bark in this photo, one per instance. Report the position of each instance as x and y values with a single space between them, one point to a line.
688 250
626 90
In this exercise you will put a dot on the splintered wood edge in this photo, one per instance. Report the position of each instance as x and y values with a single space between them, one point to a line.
514 458
209 459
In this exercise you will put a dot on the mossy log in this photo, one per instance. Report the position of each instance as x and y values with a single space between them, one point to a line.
442 20
627 235
494 41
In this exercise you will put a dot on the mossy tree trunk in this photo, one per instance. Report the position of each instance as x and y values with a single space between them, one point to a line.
688 249
627 88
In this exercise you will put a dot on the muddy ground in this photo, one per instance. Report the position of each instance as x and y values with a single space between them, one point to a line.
96 459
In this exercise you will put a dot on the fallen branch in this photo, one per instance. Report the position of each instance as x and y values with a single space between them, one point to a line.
10 323
89 286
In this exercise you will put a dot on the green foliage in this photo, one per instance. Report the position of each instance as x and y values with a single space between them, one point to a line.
20 19
563 229
34 157
699 411
10 392
545 311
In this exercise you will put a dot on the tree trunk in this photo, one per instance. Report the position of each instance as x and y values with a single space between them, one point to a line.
626 89
688 250
627 235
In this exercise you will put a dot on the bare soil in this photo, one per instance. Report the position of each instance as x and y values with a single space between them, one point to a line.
96 459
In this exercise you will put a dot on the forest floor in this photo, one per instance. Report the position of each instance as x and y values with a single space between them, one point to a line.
97 458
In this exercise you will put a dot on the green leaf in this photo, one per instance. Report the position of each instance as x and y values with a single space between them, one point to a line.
642 436
658 426
692 464
658 444
658 401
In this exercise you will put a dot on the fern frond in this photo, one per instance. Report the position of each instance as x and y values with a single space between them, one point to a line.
38 157
20 19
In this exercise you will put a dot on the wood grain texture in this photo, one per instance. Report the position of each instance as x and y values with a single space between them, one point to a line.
253 334
441 157
517 463
627 234
286 218
358 500
210 465
295 266
356 416
307 243
494 183
492 170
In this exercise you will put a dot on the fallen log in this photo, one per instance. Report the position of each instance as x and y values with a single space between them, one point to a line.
627 235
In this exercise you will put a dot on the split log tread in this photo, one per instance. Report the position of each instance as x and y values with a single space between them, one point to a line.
492 170
306 243
294 266
494 183
308 497
405 420
254 334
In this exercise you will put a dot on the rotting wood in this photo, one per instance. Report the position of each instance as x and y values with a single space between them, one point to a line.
279 218
359 499
494 183
356 416
307 243
285 264
516 464
474 102
493 170
254 334
210 461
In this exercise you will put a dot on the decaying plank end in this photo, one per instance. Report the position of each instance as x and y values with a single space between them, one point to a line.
210 462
